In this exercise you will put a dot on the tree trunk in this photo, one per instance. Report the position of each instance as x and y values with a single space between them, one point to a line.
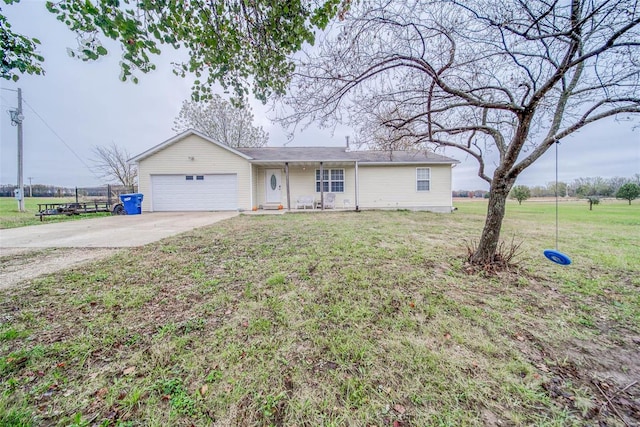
486 251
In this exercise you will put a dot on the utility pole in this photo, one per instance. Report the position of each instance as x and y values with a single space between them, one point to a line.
20 154
16 120
30 187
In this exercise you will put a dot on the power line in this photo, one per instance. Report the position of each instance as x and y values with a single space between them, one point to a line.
6 104
60 138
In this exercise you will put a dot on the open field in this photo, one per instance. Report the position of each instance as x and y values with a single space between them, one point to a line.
11 217
336 319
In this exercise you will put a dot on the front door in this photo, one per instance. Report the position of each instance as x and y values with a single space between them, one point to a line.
274 186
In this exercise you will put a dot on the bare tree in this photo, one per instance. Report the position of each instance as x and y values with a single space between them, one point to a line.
112 163
616 182
222 122
593 186
501 81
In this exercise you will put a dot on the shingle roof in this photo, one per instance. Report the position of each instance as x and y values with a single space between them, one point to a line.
338 154
310 154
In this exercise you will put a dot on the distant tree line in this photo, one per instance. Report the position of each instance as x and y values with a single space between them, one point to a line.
41 190
470 193
601 187
592 189
38 190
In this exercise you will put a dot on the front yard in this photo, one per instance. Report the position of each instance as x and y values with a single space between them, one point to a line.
335 319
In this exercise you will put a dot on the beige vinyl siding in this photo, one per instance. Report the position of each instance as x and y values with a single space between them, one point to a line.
208 158
394 187
302 182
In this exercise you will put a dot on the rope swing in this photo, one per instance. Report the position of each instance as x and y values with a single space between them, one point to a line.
555 255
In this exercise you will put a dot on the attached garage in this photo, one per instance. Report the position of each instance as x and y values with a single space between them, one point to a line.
192 192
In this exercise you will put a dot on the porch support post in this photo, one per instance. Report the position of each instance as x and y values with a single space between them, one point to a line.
286 173
321 187
357 187
251 186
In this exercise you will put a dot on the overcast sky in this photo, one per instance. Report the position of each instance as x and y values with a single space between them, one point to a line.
84 104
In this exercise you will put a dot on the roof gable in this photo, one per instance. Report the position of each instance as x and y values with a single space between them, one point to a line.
180 137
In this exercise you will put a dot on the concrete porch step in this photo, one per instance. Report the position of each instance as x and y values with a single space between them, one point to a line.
271 206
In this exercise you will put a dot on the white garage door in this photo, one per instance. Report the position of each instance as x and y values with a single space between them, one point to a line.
194 192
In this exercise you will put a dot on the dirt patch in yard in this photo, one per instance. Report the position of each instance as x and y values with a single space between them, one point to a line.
592 369
606 369
21 264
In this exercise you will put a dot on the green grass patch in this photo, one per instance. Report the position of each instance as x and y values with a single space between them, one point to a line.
333 319
11 217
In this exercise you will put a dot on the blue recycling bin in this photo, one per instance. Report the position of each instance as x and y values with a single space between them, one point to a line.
132 203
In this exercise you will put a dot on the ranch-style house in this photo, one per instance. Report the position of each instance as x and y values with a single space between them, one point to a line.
192 172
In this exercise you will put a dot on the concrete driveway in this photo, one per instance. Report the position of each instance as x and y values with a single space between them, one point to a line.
108 232
29 252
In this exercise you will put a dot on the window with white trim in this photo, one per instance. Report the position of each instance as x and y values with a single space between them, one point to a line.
423 179
333 180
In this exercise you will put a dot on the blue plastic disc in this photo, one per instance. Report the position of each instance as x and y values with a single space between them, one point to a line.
557 257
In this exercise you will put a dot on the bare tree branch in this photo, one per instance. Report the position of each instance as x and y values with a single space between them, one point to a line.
222 122
112 163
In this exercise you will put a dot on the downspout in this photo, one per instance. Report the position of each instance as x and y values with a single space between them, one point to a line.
286 172
357 187
321 187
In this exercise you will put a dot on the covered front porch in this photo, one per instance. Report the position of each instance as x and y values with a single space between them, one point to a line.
305 186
